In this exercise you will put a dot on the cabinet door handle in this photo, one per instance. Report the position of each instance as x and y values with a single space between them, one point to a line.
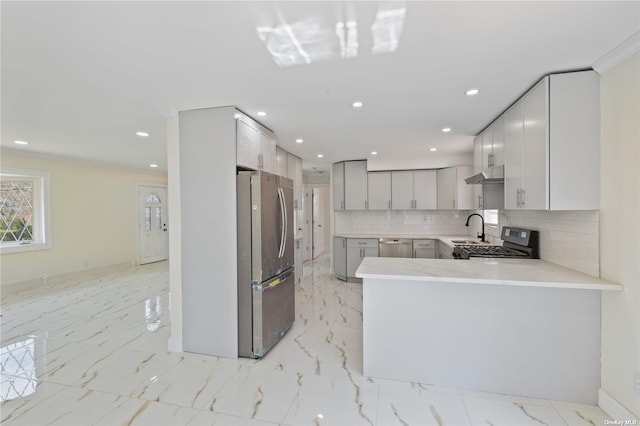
389 203
523 198
454 204
366 204
344 242
480 201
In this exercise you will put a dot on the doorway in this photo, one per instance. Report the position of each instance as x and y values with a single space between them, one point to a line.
316 217
152 223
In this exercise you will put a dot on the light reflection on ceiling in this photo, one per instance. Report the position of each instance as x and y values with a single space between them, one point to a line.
311 39
387 29
299 43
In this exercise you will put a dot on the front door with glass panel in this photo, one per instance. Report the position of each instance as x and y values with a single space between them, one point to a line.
153 223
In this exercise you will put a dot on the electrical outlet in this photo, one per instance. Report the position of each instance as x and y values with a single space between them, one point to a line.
637 381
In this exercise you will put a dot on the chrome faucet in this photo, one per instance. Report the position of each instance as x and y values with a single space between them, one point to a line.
481 218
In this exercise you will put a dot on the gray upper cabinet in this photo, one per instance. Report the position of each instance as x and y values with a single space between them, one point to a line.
268 152
477 168
297 184
247 145
552 145
513 156
355 185
255 145
350 187
497 146
379 193
338 186
291 165
414 189
493 144
453 191
281 162
485 196
402 190
425 189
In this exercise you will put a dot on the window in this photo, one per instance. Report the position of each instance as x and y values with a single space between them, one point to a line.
490 217
491 222
24 210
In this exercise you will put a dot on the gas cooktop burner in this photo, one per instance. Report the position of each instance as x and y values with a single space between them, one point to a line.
467 251
517 242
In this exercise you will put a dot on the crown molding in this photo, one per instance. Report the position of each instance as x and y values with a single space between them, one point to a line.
618 54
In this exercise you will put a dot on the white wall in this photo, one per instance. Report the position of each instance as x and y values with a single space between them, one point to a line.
209 279
175 233
94 218
620 230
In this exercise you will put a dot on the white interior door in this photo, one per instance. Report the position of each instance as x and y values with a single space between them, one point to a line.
307 208
320 220
153 223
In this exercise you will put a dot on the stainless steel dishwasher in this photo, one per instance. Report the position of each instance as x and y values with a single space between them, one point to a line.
395 247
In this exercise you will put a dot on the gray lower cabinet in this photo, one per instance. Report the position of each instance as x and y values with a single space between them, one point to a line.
424 249
444 251
349 252
298 258
358 249
340 257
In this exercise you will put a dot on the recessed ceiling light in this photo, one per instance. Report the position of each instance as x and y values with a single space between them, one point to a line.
433 149
471 92
320 155
299 140
357 104
261 113
446 129
21 142
142 134
374 152
153 165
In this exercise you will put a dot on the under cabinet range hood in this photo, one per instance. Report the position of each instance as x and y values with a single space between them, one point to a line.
493 174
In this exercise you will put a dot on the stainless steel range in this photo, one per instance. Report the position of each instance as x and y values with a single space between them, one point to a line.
517 243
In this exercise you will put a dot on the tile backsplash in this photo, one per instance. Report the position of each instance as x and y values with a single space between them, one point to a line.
567 238
445 222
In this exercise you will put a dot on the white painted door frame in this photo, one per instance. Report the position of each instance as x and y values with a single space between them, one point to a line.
161 243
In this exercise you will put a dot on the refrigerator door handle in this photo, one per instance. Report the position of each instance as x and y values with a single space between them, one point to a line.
282 219
286 221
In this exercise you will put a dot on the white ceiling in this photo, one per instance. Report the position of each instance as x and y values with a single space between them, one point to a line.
80 78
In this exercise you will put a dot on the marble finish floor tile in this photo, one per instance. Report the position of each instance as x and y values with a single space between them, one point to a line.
93 350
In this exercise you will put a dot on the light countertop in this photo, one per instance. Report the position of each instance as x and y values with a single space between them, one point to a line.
444 238
515 272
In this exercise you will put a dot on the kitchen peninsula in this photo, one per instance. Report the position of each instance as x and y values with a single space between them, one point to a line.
522 327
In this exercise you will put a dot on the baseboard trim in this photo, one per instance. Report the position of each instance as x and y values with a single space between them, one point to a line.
613 408
55 279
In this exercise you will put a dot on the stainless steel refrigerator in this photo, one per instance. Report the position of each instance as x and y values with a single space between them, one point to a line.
266 293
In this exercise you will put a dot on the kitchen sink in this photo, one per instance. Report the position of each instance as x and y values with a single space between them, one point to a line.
467 242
